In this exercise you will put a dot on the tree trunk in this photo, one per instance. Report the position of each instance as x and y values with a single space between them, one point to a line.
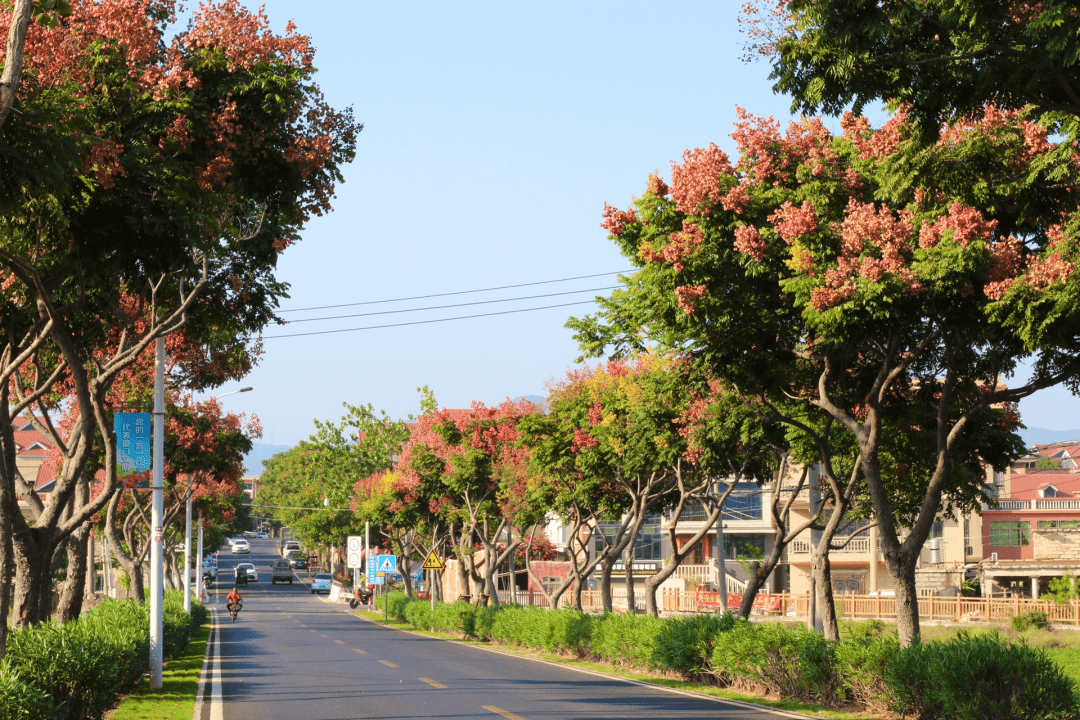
73 590
824 603
16 41
907 606
33 577
628 563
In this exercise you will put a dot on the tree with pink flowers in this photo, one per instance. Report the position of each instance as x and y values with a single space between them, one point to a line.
867 277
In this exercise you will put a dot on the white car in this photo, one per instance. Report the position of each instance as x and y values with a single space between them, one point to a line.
241 547
321 583
252 573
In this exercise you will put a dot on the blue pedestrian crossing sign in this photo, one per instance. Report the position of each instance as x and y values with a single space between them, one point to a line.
387 564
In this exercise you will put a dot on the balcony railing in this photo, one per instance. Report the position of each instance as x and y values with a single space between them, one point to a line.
1034 504
857 545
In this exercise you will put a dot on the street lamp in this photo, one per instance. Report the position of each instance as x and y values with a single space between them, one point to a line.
247 389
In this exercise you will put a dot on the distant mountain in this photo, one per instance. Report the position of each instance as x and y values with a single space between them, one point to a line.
1042 436
253 461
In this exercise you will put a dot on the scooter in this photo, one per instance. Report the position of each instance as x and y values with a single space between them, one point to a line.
361 597
208 581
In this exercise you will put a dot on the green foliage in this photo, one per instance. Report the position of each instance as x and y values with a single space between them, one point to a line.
685 644
794 663
980 677
1063 589
627 639
83 665
1032 618
947 59
863 659
20 699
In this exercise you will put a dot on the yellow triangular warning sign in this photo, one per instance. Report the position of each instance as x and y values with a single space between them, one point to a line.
433 562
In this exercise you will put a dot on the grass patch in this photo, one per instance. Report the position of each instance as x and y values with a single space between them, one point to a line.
175 700
605 669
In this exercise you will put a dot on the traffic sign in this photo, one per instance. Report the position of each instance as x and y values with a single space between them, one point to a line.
387 564
354 551
434 562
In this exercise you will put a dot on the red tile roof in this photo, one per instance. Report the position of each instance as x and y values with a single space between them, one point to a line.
26 439
1026 486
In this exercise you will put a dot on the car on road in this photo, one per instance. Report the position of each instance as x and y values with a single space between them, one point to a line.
249 533
297 560
288 546
281 572
241 547
261 536
249 569
321 583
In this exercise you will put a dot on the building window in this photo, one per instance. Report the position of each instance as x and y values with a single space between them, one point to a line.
1010 534
750 546
937 530
853 528
1059 525
999 478
648 543
743 504
551 583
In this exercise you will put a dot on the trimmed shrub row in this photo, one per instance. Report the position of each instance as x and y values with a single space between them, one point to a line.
966 677
78 669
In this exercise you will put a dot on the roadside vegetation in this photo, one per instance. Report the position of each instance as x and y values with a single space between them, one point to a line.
78 669
958 674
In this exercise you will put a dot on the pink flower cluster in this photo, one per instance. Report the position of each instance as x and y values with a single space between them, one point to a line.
966 223
245 37
748 241
767 156
791 221
736 199
1006 260
657 186
871 143
694 184
683 245
1051 268
687 295
616 220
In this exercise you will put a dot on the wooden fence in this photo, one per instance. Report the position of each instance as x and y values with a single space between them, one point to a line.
884 607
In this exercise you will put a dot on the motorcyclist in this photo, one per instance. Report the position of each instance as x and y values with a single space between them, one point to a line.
233 600
241 576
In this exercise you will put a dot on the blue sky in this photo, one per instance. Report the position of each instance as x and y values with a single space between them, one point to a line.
494 133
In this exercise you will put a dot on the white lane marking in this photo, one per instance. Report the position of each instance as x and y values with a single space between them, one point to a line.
200 694
217 712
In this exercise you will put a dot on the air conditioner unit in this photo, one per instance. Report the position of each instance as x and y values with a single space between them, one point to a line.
993 557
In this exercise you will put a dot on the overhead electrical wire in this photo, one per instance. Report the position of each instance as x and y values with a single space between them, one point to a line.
455 305
459 292
427 322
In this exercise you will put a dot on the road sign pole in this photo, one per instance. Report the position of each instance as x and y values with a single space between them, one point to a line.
157 586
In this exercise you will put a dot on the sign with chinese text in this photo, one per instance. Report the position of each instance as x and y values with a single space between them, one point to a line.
133 439
762 601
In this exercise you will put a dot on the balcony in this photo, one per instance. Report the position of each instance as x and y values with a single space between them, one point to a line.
1035 504
857 546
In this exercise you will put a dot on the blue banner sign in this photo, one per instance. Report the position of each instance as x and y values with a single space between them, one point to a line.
133 439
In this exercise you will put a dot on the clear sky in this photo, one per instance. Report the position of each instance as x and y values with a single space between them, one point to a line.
494 133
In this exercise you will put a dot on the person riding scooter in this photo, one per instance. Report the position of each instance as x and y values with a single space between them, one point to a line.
361 596
233 602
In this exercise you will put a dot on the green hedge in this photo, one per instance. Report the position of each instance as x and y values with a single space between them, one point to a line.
966 677
78 669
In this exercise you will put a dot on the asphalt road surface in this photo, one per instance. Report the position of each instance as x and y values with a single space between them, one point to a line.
292 655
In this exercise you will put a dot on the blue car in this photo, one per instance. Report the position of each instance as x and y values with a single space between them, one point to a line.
321 583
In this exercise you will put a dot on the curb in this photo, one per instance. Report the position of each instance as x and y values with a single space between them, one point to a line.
639 683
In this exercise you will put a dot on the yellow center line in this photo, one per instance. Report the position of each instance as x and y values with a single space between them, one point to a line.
340 642
362 652
504 713
434 684
387 663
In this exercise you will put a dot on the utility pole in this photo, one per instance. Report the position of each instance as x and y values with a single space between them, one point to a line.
157 588
721 565
198 564
187 553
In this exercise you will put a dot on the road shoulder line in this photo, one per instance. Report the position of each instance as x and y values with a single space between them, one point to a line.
594 673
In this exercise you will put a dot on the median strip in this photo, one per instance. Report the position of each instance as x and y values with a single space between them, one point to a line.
505 713
362 652
433 684
340 642
387 663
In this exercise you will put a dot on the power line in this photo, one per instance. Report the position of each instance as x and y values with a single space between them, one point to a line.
426 322
454 305
459 292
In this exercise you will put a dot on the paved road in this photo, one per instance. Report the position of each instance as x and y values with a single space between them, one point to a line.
291 655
